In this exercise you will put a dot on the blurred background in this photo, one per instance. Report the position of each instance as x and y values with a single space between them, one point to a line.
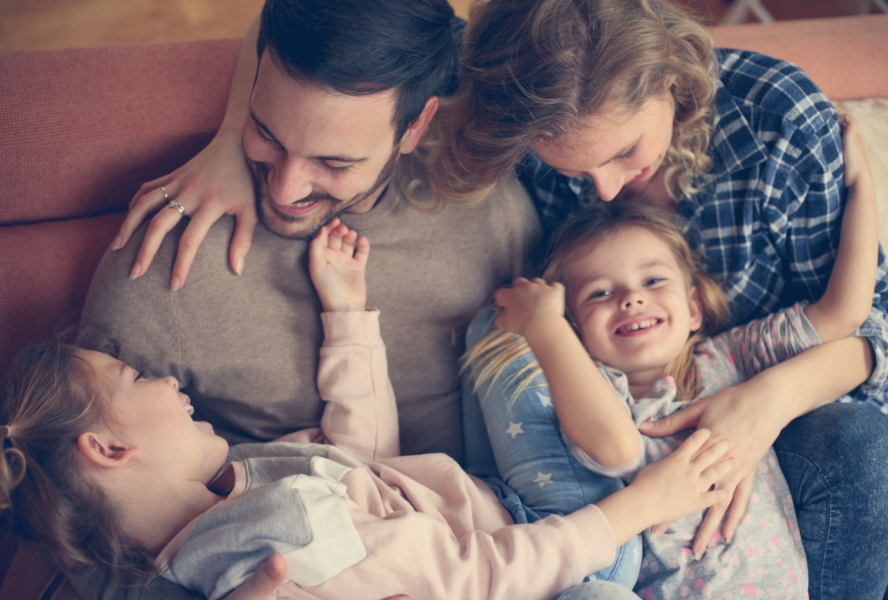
36 24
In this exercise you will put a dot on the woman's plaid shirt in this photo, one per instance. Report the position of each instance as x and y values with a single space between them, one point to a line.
768 214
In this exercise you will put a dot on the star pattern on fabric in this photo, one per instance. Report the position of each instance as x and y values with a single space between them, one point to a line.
544 399
543 478
514 429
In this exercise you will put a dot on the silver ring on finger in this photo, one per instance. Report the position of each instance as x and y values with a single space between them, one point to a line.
177 206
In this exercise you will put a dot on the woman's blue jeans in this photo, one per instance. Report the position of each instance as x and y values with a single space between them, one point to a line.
835 460
518 450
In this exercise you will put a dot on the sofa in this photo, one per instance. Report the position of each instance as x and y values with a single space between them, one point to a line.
81 129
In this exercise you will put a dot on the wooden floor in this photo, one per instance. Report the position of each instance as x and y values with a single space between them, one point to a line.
34 24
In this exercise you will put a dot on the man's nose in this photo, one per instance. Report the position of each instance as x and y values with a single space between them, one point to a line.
289 181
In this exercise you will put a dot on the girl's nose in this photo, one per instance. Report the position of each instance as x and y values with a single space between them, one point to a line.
633 298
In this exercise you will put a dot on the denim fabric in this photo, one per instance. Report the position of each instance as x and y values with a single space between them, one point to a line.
835 460
597 590
522 444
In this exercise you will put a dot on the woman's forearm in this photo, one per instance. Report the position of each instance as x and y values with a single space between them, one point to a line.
242 83
815 377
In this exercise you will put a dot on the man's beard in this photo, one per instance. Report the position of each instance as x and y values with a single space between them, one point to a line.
277 221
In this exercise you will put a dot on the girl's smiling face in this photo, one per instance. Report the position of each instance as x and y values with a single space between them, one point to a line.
632 303
153 417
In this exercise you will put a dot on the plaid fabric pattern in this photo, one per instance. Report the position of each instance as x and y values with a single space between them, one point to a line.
769 212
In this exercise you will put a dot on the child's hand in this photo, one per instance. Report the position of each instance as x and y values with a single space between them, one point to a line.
526 302
679 485
337 260
856 163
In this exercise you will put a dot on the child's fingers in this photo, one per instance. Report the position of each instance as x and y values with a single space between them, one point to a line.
363 251
319 241
348 242
714 497
695 441
715 471
336 236
711 453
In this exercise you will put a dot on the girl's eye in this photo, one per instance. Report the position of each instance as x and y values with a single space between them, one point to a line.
600 294
655 280
628 154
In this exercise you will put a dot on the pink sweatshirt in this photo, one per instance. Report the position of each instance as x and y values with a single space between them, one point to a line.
429 529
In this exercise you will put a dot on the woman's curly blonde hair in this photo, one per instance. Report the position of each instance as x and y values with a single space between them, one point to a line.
533 71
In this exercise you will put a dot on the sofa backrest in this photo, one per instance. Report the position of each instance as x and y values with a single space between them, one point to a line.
80 131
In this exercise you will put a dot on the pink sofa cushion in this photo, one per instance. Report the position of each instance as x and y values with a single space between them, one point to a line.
81 129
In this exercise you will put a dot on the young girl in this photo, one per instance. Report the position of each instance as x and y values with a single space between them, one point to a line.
104 467
645 313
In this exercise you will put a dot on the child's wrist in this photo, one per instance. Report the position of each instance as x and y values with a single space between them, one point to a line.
344 305
544 325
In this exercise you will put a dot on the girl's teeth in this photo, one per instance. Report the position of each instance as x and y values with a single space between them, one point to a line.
189 409
637 326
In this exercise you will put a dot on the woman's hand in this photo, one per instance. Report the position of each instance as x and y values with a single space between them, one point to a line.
525 303
748 422
213 183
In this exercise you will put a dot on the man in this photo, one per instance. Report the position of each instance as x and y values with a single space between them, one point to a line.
341 96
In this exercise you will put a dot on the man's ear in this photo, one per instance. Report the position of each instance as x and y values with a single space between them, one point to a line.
414 133
695 306
101 450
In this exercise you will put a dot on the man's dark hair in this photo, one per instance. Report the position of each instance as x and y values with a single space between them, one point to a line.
362 47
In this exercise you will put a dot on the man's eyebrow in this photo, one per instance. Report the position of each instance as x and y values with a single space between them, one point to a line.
333 158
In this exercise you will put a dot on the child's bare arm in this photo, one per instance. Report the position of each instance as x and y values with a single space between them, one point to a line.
848 297
588 409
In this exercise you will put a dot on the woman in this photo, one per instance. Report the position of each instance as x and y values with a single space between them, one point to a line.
593 98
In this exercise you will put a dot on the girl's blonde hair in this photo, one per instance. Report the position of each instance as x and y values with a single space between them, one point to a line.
532 71
52 397
578 236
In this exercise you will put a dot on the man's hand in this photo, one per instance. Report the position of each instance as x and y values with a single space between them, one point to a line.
213 183
263 582
527 302
337 262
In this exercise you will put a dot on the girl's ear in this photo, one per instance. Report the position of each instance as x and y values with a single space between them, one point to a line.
695 307
101 450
